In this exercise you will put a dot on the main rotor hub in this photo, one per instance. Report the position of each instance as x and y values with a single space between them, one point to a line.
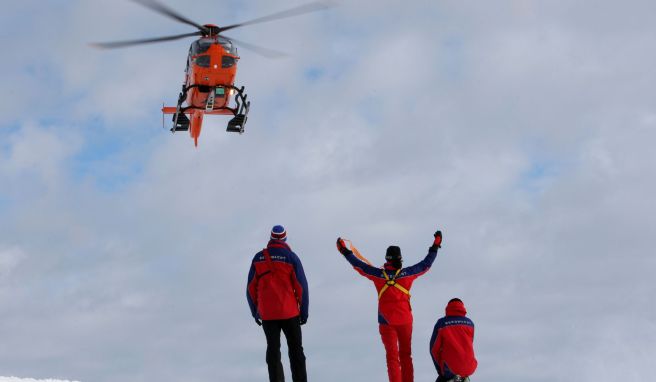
211 30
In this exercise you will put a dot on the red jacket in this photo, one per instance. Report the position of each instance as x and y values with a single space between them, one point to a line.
452 343
393 305
277 288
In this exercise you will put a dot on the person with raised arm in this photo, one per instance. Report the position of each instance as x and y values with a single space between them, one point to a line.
393 283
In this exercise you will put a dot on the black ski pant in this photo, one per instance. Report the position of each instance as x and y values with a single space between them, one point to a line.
292 329
452 378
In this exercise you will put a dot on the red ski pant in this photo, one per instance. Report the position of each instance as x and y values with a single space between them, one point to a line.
398 347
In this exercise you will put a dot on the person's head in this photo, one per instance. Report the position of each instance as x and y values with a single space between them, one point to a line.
393 256
278 232
455 307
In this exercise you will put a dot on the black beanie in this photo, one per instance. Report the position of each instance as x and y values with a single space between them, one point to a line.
393 253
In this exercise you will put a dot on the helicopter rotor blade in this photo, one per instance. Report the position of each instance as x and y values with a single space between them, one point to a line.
166 11
306 8
123 44
266 52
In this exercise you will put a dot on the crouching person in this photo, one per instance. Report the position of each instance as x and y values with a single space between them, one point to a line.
452 344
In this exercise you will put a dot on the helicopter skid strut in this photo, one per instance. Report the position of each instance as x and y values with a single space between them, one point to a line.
237 123
240 112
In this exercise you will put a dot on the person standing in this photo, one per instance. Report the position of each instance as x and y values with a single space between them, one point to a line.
277 295
393 283
452 344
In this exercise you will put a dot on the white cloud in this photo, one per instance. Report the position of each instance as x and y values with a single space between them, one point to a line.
10 258
38 151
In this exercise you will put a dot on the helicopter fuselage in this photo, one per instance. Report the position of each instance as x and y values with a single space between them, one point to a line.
209 87
211 67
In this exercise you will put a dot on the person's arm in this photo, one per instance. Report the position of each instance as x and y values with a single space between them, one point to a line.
301 288
251 293
423 266
360 266
436 346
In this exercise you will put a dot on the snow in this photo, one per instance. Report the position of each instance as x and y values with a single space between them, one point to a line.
15 379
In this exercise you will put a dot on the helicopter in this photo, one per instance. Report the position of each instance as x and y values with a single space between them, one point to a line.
211 69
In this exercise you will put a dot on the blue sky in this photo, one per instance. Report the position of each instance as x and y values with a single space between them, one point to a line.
521 129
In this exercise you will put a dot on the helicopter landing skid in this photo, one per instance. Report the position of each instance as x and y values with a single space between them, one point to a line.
237 123
181 121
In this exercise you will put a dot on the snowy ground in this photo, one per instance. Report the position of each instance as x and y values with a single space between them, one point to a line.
15 379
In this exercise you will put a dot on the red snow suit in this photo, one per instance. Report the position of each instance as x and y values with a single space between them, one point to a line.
452 343
397 340
394 310
277 288
394 304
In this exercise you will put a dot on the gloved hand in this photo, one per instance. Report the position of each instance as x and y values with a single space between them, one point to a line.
437 243
341 247
258 322
303 321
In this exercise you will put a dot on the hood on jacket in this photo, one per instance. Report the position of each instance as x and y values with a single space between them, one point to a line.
455 307
278 244
388 266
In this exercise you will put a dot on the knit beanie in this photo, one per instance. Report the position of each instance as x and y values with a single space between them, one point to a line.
278 232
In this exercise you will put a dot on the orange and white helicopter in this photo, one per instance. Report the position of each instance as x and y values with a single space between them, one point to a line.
211 69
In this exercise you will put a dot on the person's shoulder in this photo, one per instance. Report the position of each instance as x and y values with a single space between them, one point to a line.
458 320
284 253
294 256
258 255
465 318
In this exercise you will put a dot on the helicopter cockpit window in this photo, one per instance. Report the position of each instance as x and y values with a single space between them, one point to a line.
201 46
227 62
203 61
228 46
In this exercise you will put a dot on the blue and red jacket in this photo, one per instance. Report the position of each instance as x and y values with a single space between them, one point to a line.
452 343
277 288
393 305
